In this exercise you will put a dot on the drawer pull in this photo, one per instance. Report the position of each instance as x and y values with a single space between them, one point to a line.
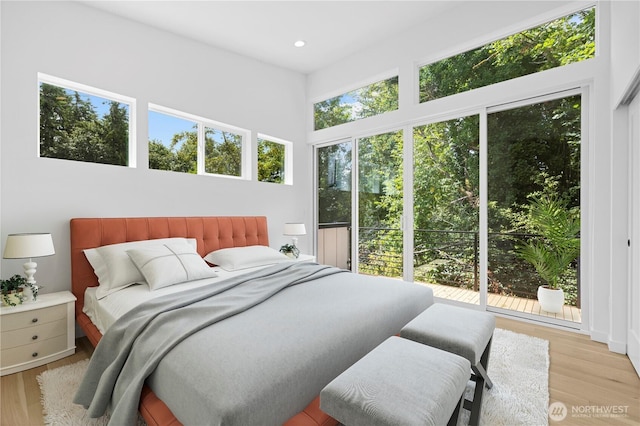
35 354
34 320
35 337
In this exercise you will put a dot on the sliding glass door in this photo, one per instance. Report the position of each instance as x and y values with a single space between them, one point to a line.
533 191
334 181
474 183
445 208
380 205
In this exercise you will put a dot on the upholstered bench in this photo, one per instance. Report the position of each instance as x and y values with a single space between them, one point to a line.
400 382
461 331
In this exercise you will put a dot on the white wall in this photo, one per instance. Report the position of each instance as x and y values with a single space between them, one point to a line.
81 44
468 26
625 46
625 65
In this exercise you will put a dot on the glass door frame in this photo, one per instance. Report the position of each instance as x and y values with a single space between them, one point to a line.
585 268
585 213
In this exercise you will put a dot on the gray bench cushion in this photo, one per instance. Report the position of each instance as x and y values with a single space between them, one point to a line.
453 329
400 382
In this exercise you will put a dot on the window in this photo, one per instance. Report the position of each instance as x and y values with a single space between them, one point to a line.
274 160
367 101
182 142
223 152
82 123
446 193
533 157
380 204
173 143
564 41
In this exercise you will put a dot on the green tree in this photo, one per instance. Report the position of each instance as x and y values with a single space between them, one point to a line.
223 152
71 129
271 156
334 183
365 102
563 41
114 135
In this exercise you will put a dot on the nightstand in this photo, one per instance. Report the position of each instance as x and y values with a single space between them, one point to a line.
36 333
305 258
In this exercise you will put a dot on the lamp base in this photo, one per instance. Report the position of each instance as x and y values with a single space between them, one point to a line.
30 271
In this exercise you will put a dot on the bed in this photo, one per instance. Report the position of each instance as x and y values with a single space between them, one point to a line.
290 346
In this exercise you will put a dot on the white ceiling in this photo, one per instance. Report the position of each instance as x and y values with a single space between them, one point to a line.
266 30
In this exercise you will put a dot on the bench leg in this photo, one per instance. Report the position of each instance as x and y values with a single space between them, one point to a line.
453 421
482 380
484 364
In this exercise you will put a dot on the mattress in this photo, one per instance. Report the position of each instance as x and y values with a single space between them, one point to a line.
104 312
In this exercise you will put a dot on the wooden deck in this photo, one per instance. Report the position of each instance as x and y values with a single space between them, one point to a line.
519 304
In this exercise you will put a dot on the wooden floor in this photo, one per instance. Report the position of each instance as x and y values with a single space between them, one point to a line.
519 304
583 375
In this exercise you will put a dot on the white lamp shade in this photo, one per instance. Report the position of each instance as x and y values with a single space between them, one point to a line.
294 229
23 246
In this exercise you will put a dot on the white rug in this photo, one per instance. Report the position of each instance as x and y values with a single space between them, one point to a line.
57 388
519 370
518 367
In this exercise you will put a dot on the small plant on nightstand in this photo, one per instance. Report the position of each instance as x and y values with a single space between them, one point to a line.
11 290
290 250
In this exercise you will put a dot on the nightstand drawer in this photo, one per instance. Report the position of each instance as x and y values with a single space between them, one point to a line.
33 317
33 351
24 336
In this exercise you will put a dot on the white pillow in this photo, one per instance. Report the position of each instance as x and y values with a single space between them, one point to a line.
170 263
231 259
114 268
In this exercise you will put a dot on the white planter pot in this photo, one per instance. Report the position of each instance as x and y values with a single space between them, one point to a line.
12 299
551 299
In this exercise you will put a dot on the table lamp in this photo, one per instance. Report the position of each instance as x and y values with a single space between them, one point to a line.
294 229
28 246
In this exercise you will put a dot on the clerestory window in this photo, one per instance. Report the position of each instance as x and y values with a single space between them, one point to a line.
82 123
374 99
274 160
554 44
183 142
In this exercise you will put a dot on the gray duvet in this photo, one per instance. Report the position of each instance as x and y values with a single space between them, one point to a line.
254 350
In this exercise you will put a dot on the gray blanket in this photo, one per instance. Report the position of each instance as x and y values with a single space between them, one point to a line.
119 366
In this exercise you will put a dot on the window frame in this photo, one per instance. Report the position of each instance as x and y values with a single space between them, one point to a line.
94 91
288 157
202 123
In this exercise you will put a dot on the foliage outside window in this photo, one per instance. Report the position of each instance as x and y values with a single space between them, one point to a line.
222 152
83 124
272 159
560 42
380 188
174 141
367 101
334 183
446 202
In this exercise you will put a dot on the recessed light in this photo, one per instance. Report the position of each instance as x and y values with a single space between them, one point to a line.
299 43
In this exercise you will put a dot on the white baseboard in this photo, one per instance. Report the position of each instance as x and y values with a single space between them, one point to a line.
618 347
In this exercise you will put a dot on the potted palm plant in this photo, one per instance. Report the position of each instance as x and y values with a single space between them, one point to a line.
557 245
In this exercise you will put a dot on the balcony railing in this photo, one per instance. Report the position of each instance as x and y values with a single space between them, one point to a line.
450 258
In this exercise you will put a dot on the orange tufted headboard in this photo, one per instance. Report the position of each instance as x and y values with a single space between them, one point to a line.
211 232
